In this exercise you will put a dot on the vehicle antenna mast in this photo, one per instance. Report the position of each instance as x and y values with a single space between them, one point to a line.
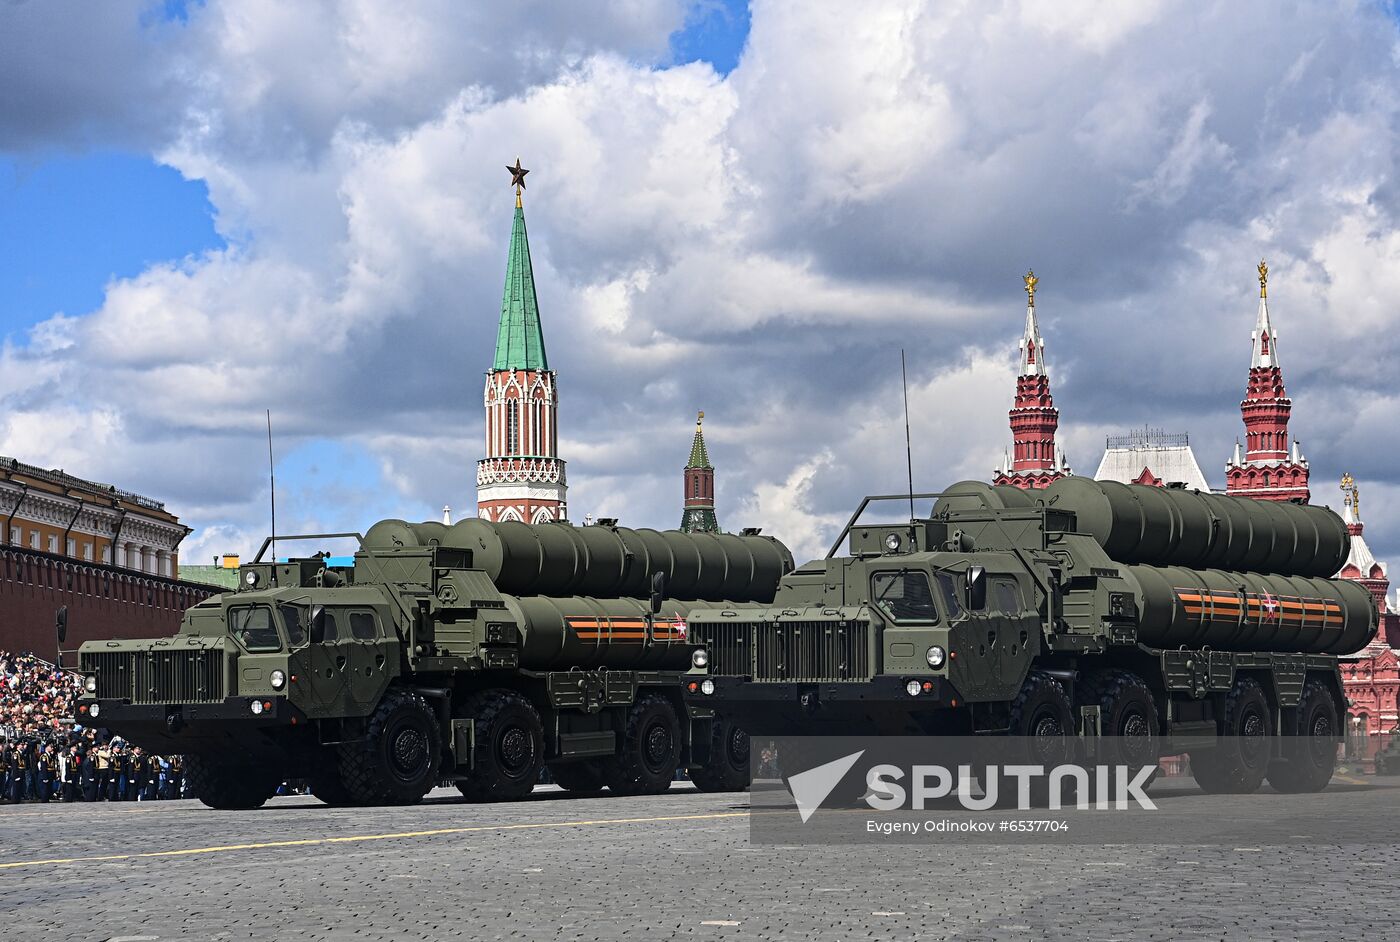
908 448
272 485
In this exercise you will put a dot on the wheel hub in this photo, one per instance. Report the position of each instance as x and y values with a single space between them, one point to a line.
1321 727
738 747
1254 739
658 746
1047 737
409 751
1135 728
516 750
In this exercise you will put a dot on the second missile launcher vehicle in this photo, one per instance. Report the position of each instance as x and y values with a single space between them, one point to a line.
475 653
1129 615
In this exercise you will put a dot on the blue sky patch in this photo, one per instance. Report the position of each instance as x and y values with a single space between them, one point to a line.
715 32
69 224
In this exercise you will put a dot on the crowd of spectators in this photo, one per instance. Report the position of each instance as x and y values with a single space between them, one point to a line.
44 756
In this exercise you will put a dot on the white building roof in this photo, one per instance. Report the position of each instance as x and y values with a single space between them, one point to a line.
1167 456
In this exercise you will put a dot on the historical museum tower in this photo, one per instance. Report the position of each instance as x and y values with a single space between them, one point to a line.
1271 467
1035 460
521 478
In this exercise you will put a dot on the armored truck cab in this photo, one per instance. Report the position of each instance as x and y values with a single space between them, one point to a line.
377 681
1005 612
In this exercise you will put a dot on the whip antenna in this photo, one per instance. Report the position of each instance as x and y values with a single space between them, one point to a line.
908 448
272 485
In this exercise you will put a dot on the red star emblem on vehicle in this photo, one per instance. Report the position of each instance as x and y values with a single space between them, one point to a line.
1270 606
678 627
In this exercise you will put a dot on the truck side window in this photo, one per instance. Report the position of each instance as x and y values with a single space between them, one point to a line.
948 587
904 596
1006 595
254 629
294 617
362 626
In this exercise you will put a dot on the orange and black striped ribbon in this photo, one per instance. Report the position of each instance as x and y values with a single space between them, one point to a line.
624 629
1261 609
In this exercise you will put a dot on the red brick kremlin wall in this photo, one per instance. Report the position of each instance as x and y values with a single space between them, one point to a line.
103 602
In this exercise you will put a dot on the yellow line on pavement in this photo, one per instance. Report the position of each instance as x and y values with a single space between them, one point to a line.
357 838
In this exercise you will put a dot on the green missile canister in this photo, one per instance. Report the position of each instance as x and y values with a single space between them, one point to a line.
557 559
1159 526
1246 611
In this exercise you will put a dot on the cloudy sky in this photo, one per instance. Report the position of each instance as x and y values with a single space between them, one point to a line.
212 209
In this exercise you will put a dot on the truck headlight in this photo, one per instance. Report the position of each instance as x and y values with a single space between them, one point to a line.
935 656
913 688
707 687
892 542
699 658
250 578
279 680
95 711
257 707
90 684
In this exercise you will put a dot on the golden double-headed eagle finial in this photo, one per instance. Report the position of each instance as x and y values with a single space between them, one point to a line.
1263 278
1351 494
1031 281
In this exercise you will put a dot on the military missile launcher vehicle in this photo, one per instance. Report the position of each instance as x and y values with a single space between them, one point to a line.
1137 618
475 653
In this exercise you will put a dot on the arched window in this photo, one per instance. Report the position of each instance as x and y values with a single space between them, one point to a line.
1266 479
512 427
696 488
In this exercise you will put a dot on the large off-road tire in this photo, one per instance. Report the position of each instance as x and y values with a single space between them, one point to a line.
509 747
396 759
1310 743
230 787
1041 728
1129 725
582 776
1238 762
728 767
650 751
327 785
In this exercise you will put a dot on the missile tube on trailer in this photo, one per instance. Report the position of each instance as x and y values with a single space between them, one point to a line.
1159 526
591 632
556 559
1246 611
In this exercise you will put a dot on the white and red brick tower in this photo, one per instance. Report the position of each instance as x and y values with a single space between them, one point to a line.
1035 460
1361 566
521 478
1271 467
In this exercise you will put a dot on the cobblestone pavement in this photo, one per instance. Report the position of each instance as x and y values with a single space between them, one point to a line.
678 865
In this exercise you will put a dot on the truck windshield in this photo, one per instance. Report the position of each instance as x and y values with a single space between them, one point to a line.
254 628
904 595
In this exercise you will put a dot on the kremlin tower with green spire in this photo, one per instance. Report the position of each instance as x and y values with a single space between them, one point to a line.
699 514
521 478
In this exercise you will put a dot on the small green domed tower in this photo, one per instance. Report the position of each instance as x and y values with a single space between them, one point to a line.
699 514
